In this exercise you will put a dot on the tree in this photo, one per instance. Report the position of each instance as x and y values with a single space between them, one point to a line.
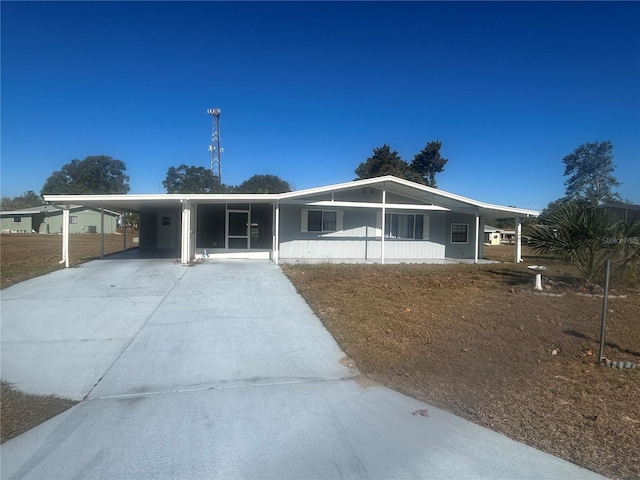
429 162
188 179
384 161
590 171
263 184
93 175
586 236
26 200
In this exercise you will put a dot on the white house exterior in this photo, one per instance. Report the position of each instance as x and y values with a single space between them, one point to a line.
379 220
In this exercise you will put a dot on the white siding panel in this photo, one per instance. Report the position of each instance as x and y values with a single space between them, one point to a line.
359 249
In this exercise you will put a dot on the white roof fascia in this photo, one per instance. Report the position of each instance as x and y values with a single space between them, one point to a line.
272 197
416 186
388 206
234 197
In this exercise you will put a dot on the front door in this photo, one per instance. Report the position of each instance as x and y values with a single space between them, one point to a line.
237 229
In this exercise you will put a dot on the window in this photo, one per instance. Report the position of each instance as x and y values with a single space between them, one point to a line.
459 233
73 220
17 219
321 221
404 225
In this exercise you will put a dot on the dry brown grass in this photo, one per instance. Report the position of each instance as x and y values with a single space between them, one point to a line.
477 341
24 256
21 412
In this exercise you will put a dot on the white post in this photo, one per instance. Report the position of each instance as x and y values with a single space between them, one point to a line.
65 236
476 244
276 234
185 248
124 231
102 233
384 214
518 253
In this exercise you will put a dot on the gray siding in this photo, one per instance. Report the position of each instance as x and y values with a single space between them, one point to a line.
86 221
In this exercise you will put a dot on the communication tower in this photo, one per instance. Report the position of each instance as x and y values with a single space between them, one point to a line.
214 148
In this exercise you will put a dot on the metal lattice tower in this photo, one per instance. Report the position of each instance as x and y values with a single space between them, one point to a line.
214 148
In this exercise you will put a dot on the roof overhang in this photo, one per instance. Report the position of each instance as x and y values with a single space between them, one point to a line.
421 197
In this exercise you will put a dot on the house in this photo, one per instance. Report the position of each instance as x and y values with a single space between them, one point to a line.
383 219
49 219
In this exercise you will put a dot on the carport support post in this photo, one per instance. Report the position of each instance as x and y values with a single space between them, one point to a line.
124 232
276 233
185 250
518 254
102 233
476 243
384 214
65 236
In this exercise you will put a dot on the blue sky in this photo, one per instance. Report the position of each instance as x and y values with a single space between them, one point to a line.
307 90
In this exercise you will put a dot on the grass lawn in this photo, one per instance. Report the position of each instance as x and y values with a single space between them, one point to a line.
476 340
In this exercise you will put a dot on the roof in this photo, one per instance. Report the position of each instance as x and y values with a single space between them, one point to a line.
47 209
424 197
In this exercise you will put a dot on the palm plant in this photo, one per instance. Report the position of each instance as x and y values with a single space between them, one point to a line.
586 237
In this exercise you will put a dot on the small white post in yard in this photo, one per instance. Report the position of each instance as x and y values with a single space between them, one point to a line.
518 253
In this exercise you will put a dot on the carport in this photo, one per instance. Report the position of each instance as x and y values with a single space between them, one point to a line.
225 225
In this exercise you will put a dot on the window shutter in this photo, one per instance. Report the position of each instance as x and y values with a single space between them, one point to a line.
425 227
305 221
339 220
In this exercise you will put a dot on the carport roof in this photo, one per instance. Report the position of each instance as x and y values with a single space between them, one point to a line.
421 194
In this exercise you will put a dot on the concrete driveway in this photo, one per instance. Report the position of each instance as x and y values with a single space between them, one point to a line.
219 370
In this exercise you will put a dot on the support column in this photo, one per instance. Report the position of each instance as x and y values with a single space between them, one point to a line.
384 215
476 243
102 233
65 236
276 233
185 247
124 232
518 252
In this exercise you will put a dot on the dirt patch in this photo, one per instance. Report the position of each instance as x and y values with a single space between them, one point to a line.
477 341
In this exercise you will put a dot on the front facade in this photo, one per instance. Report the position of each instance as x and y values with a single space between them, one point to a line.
48 219
380 220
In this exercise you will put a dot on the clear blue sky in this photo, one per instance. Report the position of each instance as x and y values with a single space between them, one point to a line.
307 90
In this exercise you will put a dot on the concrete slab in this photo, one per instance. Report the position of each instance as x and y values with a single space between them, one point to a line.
219 370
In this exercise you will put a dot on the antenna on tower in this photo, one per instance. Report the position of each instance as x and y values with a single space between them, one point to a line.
214 148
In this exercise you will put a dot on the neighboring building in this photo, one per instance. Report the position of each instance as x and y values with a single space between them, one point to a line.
378 220
48 219
492 235
508 236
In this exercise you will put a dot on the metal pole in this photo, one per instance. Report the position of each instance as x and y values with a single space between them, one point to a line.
605 297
